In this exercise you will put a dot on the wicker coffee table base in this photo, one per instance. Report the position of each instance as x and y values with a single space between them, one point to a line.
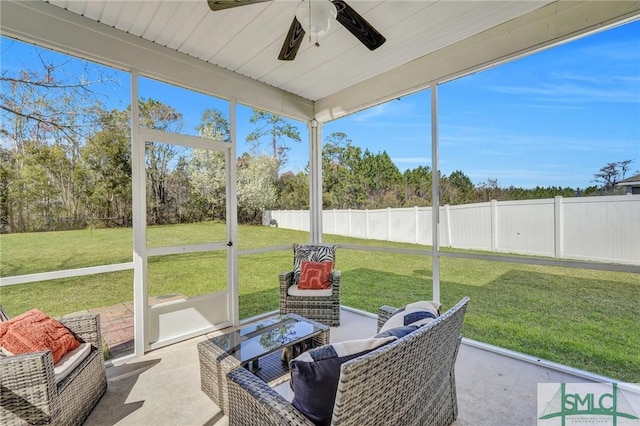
215 363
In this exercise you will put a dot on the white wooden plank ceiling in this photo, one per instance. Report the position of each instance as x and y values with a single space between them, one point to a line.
247 39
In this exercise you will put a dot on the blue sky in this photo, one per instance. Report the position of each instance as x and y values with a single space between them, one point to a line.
549 119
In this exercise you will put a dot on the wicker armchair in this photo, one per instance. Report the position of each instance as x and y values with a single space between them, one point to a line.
324 309
410 381
29 394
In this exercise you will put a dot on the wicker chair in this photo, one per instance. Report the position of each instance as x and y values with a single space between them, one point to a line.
324 309
29 394
410 381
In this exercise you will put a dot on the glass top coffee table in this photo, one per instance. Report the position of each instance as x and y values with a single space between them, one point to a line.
249 344
257 347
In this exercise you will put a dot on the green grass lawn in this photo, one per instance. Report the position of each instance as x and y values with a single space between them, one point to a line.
582 318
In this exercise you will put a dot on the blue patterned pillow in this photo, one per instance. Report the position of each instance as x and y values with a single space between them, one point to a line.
315 375
398 332
417 314
311 253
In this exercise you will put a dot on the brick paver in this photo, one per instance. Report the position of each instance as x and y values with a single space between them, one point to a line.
116 323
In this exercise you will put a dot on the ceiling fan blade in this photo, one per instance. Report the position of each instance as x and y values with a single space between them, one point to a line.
358 26
216 5
292 42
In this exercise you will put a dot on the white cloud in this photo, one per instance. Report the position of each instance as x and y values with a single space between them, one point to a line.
411 160
370 113
571 93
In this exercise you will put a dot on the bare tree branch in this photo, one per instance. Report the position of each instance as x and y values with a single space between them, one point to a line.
50 85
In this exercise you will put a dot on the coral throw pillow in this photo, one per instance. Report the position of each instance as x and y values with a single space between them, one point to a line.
315 275
310 253
35 331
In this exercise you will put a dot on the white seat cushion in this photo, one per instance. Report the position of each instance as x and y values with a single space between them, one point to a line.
70 360
295 291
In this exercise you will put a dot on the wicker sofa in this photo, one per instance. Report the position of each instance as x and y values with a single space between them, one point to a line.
410 381
29 394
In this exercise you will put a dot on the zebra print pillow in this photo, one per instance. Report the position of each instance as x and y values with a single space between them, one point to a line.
310 253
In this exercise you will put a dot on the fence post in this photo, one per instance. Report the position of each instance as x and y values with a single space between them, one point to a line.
389 224
415 209
349 223
558 232
494 225
447 225
366 224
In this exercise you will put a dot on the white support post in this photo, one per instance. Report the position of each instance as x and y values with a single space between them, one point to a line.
435 193
139 212
232 219
315 181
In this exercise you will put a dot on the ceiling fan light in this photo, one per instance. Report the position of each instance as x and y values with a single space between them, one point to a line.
316 16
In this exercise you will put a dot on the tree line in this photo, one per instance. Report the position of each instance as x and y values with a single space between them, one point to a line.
360 179
65 163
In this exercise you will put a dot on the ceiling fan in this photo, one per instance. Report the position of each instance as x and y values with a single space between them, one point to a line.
343 13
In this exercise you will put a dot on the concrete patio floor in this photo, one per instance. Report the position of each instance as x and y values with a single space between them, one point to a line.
163 386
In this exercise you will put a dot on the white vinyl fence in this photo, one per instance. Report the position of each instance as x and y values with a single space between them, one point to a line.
605 229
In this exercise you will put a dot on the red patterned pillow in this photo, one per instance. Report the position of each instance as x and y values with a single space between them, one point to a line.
315 275
35 331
